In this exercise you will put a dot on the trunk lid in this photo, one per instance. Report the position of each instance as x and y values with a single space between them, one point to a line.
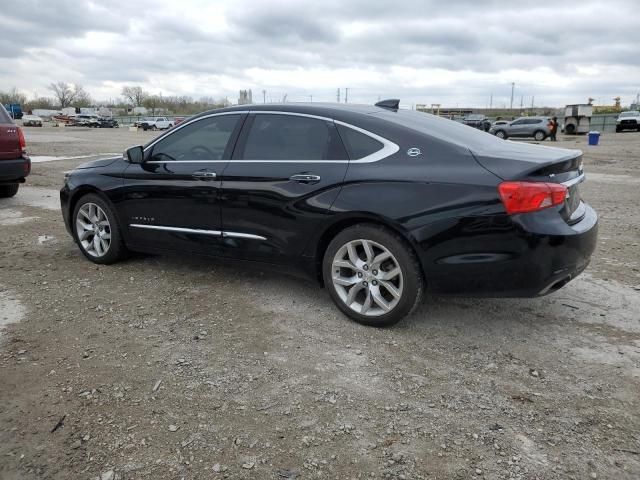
9 139
537 163
9 142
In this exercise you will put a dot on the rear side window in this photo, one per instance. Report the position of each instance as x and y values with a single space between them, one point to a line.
4 116
204 139
291 137
358 144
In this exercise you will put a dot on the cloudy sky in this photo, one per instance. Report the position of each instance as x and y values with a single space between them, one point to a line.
457 53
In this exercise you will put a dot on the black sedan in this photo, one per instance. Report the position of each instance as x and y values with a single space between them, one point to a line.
378 204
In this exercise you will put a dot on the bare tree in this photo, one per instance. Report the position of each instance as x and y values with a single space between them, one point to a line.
134 95
63 92
12 96
81 97
152 102
70 96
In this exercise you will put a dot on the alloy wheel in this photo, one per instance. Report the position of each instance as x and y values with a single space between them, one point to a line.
367 277
93 230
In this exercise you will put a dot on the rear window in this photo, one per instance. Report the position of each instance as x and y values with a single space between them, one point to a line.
291 137
4 116
358 144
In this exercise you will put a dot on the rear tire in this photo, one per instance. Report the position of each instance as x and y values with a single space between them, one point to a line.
8 191
93 216
381 267
539 136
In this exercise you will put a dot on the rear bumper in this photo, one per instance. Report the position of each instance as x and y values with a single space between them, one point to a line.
520 256
14 171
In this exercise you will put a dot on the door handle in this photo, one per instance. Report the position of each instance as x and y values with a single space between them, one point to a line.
202 175
305 178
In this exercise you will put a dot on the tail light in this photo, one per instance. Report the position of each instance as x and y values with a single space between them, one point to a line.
523 197
21 140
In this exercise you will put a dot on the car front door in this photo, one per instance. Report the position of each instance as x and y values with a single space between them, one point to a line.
171 200
518 128
285 173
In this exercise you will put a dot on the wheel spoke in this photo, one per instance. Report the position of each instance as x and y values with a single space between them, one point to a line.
353 255
103 245
381 302
84 235
106 236
344 264
368 250
351 296
381 257
367 303
390 287
391 274
346 281
96 245
84 214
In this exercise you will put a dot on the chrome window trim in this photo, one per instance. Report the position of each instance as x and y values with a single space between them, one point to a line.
215 233
189 122
389 148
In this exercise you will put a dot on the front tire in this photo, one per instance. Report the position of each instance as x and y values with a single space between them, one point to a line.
96 230
501 134
8 191
373 275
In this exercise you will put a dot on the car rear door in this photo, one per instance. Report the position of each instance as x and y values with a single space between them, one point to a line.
171 200
286 171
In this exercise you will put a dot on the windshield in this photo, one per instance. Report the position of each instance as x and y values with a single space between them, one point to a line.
475 117
629 114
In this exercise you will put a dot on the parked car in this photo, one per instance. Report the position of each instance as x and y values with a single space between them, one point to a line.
479 121
15 165
628 121
378 204
83 120
538 128
105 122
154 123
31 121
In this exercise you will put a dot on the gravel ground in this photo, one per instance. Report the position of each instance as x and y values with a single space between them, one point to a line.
190 368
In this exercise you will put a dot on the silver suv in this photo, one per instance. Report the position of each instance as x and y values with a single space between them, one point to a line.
523 127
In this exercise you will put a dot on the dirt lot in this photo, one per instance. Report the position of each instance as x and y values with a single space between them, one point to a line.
184 368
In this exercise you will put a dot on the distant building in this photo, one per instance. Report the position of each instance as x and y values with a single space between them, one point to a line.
245 97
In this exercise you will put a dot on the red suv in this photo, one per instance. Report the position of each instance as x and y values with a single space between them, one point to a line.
15 165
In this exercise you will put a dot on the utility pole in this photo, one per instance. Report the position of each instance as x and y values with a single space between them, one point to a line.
311 98
338 96
512 87
264 96
346 95
532 99
491 101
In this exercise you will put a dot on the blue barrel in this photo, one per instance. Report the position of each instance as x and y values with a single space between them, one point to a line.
594 138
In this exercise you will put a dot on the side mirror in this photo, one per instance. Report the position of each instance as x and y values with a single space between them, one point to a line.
134 154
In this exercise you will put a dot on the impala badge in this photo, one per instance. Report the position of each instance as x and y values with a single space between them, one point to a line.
414 152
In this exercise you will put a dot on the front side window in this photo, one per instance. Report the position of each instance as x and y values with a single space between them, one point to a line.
358 144
519 122
292 137
204 139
